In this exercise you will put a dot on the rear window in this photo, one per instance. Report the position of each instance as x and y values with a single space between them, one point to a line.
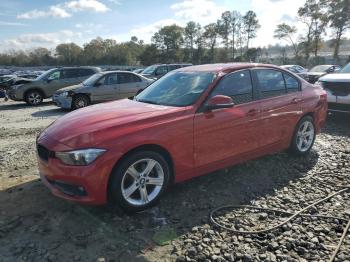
124 78
86 72
69 73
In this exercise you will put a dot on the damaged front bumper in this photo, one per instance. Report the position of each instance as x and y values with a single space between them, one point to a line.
62 101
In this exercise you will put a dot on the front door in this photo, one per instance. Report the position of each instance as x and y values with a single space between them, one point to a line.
54 83
106 88
225 133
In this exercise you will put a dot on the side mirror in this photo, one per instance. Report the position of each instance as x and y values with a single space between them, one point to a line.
218 102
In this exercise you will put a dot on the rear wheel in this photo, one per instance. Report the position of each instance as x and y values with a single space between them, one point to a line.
80 101
34 97
304 136
139 181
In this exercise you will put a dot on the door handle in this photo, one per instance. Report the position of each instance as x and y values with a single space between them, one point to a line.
295 101
252 112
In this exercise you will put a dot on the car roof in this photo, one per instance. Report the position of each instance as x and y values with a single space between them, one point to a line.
116 71
225 67
79 67
289 65
326 65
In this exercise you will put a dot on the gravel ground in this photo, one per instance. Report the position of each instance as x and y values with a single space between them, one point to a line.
35 226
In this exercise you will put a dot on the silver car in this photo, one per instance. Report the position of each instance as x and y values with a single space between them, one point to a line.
101 87
337 87
33 91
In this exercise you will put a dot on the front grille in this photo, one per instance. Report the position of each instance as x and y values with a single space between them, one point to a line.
338 88
43 152
68 189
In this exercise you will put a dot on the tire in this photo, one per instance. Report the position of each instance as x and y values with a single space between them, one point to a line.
303 137
131 188
80 101
34 97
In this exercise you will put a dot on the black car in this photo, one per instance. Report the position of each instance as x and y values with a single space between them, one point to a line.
316 72
296 69
159 70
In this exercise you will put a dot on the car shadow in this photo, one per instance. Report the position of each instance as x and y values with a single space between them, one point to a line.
36 224
49 112
338 124
21 105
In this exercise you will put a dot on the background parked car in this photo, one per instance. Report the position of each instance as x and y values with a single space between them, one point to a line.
101 87
34 91
138 71
337 87
157 71
316 72
296 69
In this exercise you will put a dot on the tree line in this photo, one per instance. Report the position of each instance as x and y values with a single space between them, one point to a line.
229 39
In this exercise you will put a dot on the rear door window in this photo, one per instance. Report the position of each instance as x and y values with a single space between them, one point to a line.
237 85
86 72
270 83
292 83
70 73
125 78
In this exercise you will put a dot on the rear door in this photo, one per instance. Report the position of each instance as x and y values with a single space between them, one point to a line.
225 133
280 96
128 85
85 73
69 77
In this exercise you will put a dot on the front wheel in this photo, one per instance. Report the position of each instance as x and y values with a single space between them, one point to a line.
139 181
34 98
304 136
80 101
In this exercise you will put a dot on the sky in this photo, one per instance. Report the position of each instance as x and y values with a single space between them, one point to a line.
27 24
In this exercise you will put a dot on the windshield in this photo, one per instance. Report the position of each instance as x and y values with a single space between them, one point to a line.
45 74
149 70
320 68
92 79
177 89
346 69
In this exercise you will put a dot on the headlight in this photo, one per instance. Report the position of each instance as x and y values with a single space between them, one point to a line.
320 83
16 86
81 157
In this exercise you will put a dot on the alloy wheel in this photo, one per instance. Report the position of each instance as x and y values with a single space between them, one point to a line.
34 98
142 182
305 136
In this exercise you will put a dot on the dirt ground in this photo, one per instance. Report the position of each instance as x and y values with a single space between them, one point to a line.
36 226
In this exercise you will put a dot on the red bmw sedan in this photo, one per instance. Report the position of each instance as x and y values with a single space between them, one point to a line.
190 122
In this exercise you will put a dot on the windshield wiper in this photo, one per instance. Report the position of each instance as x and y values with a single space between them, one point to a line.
147 101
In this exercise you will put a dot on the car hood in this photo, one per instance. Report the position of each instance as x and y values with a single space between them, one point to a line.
316 73
339 77
149 76
70 88
83 127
